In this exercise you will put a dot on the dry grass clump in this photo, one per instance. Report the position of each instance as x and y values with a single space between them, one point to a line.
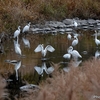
14 13
80 83
18 12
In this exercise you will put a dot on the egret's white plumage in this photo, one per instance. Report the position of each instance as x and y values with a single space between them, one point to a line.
97 41
75 54
69 36
97 54
40 48
75 41
26 42
44 68
67 56
26 28
17 48
17 32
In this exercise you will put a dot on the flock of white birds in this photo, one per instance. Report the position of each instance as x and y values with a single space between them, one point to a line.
40 48
26 41
43 50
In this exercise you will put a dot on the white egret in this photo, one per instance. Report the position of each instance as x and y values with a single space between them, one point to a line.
26 28
17 48
97 41
75 54
40 48
40 70
16 33
75 41
67 56
69 36
97 54
26 42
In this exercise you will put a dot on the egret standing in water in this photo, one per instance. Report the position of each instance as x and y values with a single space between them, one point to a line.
97 41
26 28
75 41
69 36
16 33
40 48
75 54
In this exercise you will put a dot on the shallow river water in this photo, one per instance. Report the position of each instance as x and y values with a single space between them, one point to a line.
16 77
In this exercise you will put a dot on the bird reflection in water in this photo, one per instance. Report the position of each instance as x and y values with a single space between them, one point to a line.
44 69
17 65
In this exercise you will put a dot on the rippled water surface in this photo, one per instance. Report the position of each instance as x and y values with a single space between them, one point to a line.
86 47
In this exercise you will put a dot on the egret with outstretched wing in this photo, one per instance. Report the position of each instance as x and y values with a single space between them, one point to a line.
40 48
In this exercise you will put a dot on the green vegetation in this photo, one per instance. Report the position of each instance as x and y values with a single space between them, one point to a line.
18 12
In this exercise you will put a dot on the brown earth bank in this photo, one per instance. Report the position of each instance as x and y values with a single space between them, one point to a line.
17 12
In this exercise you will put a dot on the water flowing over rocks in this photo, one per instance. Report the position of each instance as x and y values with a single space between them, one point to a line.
66 25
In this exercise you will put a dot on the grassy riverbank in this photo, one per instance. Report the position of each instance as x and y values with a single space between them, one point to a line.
18 12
